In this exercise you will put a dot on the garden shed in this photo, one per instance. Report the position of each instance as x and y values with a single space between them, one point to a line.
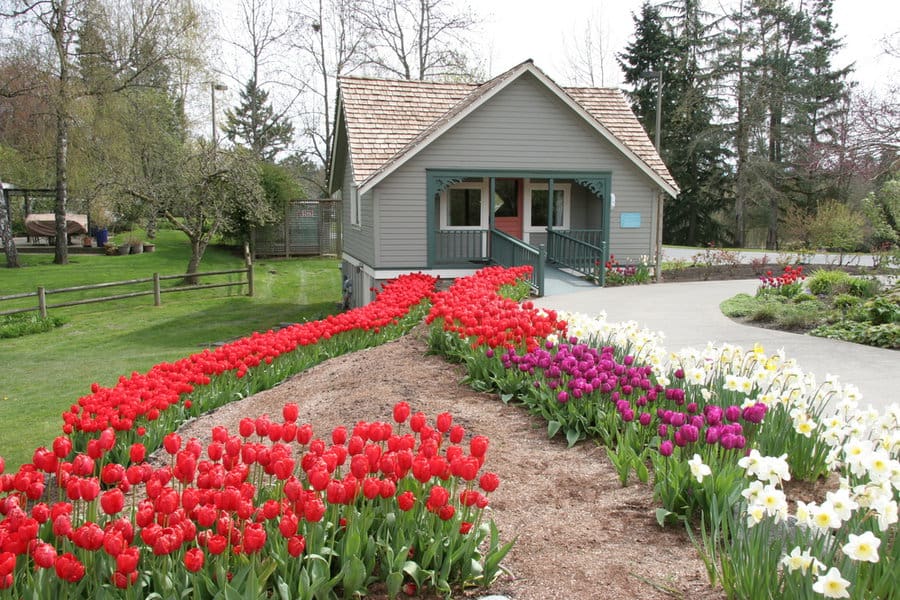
448 177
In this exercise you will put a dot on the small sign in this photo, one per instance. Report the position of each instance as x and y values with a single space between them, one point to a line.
630 220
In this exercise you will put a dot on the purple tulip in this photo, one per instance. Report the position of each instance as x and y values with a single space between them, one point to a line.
733 413
645 419
665 448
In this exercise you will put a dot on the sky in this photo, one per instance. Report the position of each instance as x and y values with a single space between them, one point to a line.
515 30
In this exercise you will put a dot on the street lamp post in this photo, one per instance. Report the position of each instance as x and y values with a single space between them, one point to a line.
657 139
213 88
659 85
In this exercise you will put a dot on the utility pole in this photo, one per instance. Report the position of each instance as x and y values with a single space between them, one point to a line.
213 88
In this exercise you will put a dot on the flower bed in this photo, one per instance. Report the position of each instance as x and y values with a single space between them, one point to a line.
719 430
271 510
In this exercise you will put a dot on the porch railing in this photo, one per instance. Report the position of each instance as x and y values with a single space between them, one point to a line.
570 249
510 252
460 246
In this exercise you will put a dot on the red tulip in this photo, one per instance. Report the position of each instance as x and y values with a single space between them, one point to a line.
193 559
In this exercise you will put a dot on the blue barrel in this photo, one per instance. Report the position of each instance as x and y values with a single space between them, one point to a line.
102 237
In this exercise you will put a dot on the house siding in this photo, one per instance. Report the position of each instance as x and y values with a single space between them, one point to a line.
524 127
358 240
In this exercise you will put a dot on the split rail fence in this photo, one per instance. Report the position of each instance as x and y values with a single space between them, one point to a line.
156 290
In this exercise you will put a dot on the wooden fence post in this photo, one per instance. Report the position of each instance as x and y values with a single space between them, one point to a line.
42 302
248 261
157 295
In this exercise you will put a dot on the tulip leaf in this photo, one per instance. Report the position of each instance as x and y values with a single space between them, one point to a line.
553 428
411 568
661 516
394 582
572 436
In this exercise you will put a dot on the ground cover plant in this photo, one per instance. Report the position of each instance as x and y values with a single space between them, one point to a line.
43 374
829 303
22 324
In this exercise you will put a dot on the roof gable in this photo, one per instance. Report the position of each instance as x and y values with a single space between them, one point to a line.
388 122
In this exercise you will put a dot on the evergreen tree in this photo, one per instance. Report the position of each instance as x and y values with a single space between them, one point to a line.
255 124
675 44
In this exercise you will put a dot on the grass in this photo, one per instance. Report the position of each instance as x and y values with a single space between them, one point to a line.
43 374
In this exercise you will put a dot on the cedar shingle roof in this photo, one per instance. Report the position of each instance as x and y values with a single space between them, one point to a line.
386 119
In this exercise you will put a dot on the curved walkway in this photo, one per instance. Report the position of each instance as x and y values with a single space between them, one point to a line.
689 316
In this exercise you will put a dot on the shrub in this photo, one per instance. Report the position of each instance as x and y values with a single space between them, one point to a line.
804 297
835 226
828 283
766 312
863 287
845 302
882 310
803 316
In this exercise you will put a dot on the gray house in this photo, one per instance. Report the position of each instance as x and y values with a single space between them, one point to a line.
445 178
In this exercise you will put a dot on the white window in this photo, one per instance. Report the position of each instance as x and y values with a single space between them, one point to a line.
537 207
354 206
464 206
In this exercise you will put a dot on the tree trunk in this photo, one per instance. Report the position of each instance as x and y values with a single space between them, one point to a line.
62 151
62 137
197 249
9 244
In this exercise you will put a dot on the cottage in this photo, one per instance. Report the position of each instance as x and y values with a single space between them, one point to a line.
447 177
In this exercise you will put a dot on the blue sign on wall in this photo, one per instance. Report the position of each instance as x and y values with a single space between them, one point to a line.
630 220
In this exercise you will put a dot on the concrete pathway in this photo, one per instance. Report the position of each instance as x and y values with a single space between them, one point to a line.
689 316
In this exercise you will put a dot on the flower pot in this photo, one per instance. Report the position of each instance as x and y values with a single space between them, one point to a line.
123 250
137 248
149 247
87 242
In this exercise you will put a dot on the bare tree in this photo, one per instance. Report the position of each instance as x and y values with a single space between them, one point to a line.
333 42
419 39
588 56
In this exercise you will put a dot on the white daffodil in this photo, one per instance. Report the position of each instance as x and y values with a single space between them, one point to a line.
755 514
862 547
824 517
773 500
695 375
803 513
879 465
776 469
698 469
800 560
856 453
886 511
732 383
751 463
751 493
842 503
832 585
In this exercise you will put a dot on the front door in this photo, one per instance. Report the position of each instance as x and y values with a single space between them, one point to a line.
508 206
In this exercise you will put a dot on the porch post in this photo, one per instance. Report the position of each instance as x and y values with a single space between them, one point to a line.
607 209
490 233
550 207
491 192
430 192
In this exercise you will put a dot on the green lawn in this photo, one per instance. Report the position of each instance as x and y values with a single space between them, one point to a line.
42 375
